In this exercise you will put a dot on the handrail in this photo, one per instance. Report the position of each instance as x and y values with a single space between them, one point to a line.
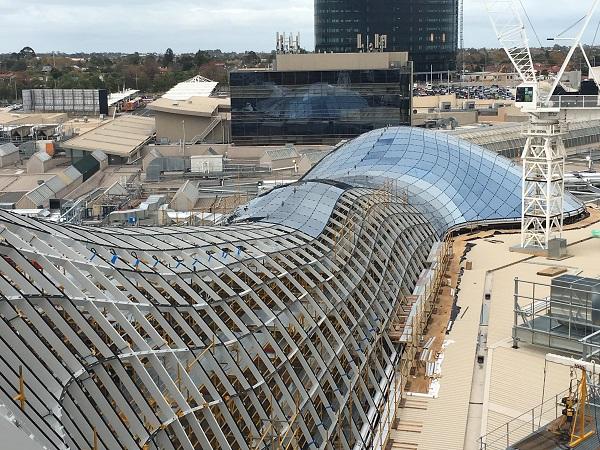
502 440
211 126
573 101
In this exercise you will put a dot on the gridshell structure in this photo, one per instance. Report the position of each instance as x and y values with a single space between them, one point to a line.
282 328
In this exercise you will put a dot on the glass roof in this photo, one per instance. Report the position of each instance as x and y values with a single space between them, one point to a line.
450 180
304 206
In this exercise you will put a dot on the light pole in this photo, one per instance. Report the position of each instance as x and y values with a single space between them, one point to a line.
183 141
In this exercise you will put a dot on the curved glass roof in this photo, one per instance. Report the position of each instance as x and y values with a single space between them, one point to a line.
450 180
302 206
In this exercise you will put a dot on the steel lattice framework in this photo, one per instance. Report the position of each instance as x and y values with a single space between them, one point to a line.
543 184
178 338
510 31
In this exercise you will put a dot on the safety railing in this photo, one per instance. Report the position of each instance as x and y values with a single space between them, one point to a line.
524 425
574 101
559 317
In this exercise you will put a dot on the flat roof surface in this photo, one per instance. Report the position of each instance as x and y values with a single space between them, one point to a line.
549 440
18 118
121 136
194 106
79 126
511 381
11 197
339 61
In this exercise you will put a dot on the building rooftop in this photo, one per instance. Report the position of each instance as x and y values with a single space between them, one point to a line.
116 97
193 106
340 61
42 156
344 249
19 118
197 86
315 157
511 383
459 182
121 136
99 155
8 149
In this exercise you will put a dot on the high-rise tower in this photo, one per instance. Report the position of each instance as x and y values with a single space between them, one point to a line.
427 29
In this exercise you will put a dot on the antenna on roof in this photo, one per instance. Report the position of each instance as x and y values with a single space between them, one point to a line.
285 43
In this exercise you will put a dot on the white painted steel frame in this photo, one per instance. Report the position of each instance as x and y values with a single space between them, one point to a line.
544 154
215 337
543 184
508 25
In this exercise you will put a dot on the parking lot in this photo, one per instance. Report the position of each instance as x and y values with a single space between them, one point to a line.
493 92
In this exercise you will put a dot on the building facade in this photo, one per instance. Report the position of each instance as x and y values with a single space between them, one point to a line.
317 104
426 29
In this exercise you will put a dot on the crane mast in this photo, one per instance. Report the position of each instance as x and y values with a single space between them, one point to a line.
544 154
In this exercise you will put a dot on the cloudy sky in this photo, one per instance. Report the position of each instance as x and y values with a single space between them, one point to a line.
188 25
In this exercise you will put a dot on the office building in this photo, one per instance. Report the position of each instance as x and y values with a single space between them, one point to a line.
426 29
320 99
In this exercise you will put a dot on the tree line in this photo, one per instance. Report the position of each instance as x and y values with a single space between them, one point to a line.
149 73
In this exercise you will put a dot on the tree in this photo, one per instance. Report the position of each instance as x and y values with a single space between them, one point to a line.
134 59
201 58
186 62
56 73
16 65
27 52
251 59
168 58
150 67
214 71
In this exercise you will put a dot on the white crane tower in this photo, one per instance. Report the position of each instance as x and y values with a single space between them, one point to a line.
544 153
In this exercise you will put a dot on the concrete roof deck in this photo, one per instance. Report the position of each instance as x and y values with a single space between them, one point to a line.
194 106
80 126
121 136
510 382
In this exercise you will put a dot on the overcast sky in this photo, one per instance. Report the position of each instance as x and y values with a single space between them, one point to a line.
189 25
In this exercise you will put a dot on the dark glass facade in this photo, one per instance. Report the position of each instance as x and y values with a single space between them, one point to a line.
316 107
426 29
